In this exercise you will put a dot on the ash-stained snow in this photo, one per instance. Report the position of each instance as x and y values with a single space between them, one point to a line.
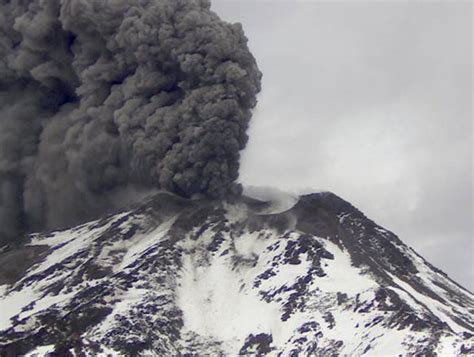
179 277
70 242
137 247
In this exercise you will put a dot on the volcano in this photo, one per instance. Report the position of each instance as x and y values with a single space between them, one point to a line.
309 275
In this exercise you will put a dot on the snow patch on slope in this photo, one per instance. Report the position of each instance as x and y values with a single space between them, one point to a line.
139 245
127 300
342 276
214 306
40 351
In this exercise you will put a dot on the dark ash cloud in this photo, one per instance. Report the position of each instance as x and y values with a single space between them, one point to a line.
101 99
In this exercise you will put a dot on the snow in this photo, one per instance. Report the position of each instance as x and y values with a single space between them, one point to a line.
223 305
141 243
127 300
448 346
249 245
343 216
286 275
435 307
108 352
345 319
64 243
389 342
342 276
12 304
381 230
45 303
40 351
69 242
217 308
349 328
428 276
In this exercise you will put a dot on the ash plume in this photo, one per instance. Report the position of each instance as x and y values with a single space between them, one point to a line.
102 99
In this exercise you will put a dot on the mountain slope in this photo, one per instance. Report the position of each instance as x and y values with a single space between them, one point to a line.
204 277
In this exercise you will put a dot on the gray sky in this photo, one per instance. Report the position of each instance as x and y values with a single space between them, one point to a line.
372 101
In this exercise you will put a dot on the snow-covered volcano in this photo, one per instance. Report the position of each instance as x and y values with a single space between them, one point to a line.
312 276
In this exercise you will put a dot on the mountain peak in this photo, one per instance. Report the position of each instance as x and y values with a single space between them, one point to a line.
280 275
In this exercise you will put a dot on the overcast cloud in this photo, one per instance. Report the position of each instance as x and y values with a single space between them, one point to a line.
372 101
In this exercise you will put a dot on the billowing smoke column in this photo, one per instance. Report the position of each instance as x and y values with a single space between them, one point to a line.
101 98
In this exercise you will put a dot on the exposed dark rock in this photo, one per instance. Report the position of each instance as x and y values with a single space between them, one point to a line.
258 345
